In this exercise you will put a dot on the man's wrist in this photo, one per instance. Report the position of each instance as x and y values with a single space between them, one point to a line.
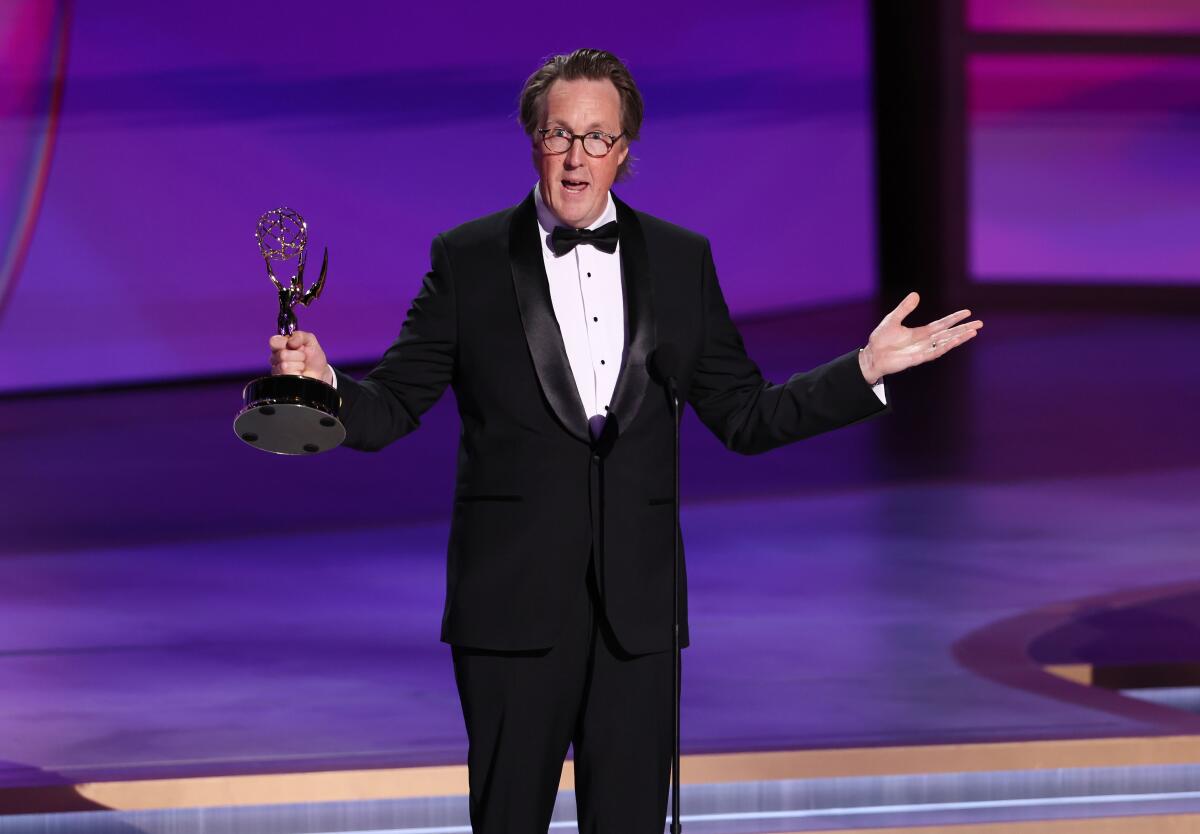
866 364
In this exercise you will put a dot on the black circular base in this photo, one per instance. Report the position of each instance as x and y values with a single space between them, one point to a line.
290 415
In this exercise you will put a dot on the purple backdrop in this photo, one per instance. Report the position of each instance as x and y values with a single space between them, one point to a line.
182 122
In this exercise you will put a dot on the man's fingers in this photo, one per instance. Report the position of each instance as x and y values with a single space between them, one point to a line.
918 351
944 322
902 310
299 339
288 368
280 356
941 345
292 354
951 332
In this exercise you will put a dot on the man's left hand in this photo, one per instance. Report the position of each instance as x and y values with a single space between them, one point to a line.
894 347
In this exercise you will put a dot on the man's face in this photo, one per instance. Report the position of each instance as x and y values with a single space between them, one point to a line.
575 185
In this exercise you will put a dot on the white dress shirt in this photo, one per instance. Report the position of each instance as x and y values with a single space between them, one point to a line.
585 291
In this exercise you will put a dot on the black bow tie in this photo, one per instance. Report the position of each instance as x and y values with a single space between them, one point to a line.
563 240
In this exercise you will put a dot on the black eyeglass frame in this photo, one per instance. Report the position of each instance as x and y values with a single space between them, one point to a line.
609 139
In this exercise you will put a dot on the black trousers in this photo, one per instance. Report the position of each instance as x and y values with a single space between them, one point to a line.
523 710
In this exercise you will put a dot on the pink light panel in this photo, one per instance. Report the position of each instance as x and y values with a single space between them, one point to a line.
1140 16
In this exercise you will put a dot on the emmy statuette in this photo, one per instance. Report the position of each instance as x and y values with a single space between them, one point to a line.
289 414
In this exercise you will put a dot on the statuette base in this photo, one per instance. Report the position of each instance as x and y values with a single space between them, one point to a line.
290 415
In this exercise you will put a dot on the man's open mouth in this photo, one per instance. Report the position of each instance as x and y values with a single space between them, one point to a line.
574 186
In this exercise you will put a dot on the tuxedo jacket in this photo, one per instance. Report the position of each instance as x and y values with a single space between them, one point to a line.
536 496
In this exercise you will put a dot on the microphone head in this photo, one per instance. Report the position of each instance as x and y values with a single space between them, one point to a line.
664 363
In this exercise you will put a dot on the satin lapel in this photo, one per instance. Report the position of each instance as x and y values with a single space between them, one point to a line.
541 327
639 319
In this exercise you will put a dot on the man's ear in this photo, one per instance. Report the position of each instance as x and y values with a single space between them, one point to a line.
624 155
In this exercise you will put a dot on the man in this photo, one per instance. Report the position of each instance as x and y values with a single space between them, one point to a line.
558 599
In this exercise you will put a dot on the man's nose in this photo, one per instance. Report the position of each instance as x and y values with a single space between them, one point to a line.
575 154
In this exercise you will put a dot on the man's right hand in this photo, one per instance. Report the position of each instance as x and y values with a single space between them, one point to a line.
300 354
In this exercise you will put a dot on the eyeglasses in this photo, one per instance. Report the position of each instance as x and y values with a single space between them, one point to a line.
595 142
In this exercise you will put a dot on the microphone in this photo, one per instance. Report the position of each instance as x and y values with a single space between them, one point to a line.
664 365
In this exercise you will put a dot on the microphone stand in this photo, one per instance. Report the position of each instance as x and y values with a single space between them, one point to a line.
676 825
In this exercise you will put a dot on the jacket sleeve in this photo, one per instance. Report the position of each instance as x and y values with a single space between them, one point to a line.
388 403
750 414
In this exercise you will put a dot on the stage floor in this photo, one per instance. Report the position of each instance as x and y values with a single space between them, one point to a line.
1147 800
173 603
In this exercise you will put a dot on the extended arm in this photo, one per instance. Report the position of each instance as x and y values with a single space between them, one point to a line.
750 414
